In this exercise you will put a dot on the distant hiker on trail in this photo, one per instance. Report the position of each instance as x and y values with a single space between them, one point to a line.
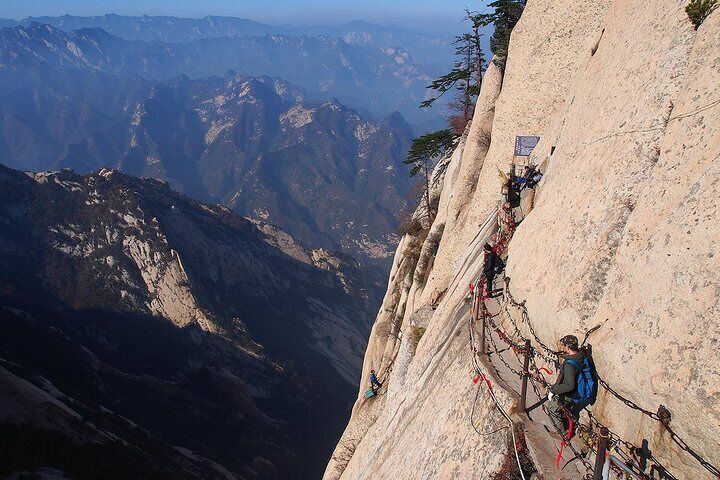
530 177
534 180
492 265
511 194
576 385
374 382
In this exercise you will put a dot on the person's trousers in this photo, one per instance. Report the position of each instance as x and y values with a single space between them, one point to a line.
489 279
559 412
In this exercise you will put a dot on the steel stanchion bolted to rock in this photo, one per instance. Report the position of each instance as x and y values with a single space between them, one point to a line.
525 375
601 452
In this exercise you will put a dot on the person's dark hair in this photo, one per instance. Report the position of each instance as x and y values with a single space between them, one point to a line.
487 247
570 341
372 371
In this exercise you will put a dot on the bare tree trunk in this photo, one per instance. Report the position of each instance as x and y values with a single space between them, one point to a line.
427 191
466 89
478 55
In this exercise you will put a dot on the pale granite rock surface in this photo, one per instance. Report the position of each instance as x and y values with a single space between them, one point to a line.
624 234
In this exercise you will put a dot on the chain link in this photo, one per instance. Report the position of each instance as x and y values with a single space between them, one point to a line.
501 238
680 442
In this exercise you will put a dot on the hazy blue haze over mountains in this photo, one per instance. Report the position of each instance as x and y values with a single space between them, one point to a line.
377 79
424 46
317 169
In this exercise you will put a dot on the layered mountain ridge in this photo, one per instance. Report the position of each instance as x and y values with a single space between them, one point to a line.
176 334
256 144
373 80
427 47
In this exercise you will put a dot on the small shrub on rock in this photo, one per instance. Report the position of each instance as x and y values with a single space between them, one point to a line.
417 334
698 11
409 226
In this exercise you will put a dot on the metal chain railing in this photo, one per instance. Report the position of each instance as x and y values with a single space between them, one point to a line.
478 371
662 415
587 432
501 239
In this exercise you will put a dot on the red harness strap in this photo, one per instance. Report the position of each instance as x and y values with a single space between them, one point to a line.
566 439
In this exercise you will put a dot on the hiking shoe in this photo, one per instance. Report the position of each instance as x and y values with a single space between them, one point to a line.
555 434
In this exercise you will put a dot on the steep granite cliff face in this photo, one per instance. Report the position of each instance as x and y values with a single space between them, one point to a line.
144 334
622 236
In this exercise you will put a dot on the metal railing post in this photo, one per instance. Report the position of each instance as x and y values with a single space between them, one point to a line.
601 452
482 329
526 374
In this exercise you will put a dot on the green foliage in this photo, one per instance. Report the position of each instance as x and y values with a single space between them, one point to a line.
424 151
466 74
505 15
409 226
417 334
427 148
698 11
441 85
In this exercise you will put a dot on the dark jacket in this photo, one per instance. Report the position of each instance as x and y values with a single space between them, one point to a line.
513 196
373 379
492 263
567 380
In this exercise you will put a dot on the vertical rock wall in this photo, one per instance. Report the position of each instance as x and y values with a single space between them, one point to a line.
624 234
625 231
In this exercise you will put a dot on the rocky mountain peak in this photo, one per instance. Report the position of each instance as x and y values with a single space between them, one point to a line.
155 299
616 246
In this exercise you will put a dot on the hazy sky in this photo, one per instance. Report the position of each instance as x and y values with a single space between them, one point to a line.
435 14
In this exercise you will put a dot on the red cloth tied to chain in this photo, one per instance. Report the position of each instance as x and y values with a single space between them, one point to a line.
566 439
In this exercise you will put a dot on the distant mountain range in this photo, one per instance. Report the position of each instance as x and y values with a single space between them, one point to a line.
428 48
145 335
318 170
373 80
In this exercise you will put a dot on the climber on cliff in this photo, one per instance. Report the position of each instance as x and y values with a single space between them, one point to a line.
534 179
374 382
511 194
492 265
576 385
529 178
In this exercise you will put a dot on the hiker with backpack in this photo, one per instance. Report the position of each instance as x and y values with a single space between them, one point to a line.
492 265
576 385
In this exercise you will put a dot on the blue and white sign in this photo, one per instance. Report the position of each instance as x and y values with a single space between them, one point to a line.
524 145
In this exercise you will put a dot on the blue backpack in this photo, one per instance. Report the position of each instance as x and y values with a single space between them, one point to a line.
587 384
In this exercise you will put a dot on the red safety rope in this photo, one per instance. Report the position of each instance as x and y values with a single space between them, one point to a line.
566 439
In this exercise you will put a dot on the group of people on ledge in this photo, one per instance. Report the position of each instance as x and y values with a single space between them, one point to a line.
515 184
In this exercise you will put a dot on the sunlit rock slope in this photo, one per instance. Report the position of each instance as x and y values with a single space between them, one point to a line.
623 235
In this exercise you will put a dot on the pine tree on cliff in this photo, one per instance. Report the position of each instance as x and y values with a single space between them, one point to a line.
504 17
465 77
423 154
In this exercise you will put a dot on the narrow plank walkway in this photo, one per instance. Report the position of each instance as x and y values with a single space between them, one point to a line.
504 365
